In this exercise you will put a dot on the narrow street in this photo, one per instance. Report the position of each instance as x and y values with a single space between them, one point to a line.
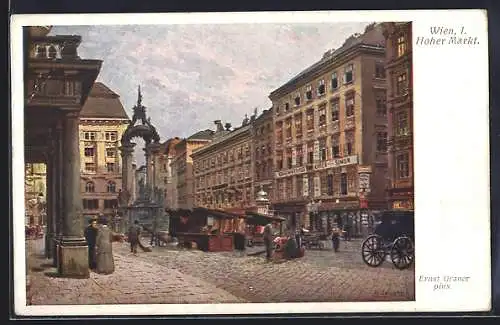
169 275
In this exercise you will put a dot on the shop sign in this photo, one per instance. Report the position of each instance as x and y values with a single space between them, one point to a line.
336 162
402 205
292 171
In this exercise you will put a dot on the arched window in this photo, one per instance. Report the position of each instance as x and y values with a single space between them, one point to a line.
111 187
90 187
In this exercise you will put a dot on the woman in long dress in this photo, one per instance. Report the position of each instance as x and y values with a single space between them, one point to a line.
105 263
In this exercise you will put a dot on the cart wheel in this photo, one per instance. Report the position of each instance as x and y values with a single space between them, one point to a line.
402 253
372 251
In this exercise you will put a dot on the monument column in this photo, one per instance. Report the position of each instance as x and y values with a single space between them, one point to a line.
152 155
127 178
74 249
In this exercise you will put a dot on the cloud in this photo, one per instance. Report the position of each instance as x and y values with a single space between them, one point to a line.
191 75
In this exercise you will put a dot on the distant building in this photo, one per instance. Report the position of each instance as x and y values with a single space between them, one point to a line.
35 192
166 174
182 169
263 153
400 108
330 134
102 123
224 169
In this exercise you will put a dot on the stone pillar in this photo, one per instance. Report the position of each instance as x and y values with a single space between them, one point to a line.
49 236
152 151
126 151
73 247
57 190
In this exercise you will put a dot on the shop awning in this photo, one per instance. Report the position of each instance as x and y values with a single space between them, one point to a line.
254 218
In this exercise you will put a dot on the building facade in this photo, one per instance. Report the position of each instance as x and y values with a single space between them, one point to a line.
166 174
400 114
102 123
330 134
224 169
263 153
35 193
182 169
57 82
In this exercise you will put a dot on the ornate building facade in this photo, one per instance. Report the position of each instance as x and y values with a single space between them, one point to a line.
330 134
263 153
182 169
57 83
400 114
102 123
224 169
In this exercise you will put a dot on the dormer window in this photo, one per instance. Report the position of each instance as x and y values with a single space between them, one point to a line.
309 94
321 87
277 109
287 107
297 99
335 81
349 73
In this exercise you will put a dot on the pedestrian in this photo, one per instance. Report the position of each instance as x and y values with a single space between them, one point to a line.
133 236
91 237
105 263
268 240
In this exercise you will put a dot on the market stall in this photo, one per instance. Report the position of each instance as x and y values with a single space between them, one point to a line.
255 223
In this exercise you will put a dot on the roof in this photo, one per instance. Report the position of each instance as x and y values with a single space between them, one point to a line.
169 145
102 102
202 135
372 36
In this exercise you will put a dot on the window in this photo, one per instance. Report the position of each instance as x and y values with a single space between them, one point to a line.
90 187
111 136
89 135
349 143
401 85
310 180
279 132
322 116
335 110
287 107
92 204
309 94
402 124
288 128
89 151
321 87
111 188
310 120
323 182
110 167
329 184
322 149
401 45
349 105
90 167
298 126
110 204
349 73
289 158
310 153
299 156
343 184
277 109
288 187
297 99
279 160
336 146
382 141
300 187
379 70
402 163
335 81
110 152
381 107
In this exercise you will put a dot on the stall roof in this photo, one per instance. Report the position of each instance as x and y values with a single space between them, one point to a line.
214 212
258 218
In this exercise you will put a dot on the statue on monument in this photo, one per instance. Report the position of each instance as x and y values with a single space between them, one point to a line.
139 110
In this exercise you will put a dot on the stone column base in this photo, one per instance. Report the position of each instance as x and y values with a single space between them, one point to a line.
55 251
73 259
49 246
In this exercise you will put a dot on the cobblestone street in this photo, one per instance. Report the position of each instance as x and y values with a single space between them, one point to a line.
169 275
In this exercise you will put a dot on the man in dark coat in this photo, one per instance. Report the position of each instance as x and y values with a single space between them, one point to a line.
91 236
133 236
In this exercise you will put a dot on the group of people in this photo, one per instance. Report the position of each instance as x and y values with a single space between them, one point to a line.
99 240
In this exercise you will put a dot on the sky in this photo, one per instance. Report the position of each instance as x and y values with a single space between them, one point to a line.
191 75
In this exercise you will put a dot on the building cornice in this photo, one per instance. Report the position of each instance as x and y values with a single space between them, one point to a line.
218 142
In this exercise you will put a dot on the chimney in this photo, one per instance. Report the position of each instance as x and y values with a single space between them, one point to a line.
218 123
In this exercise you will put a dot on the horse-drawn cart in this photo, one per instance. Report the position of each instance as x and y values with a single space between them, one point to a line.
393 237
